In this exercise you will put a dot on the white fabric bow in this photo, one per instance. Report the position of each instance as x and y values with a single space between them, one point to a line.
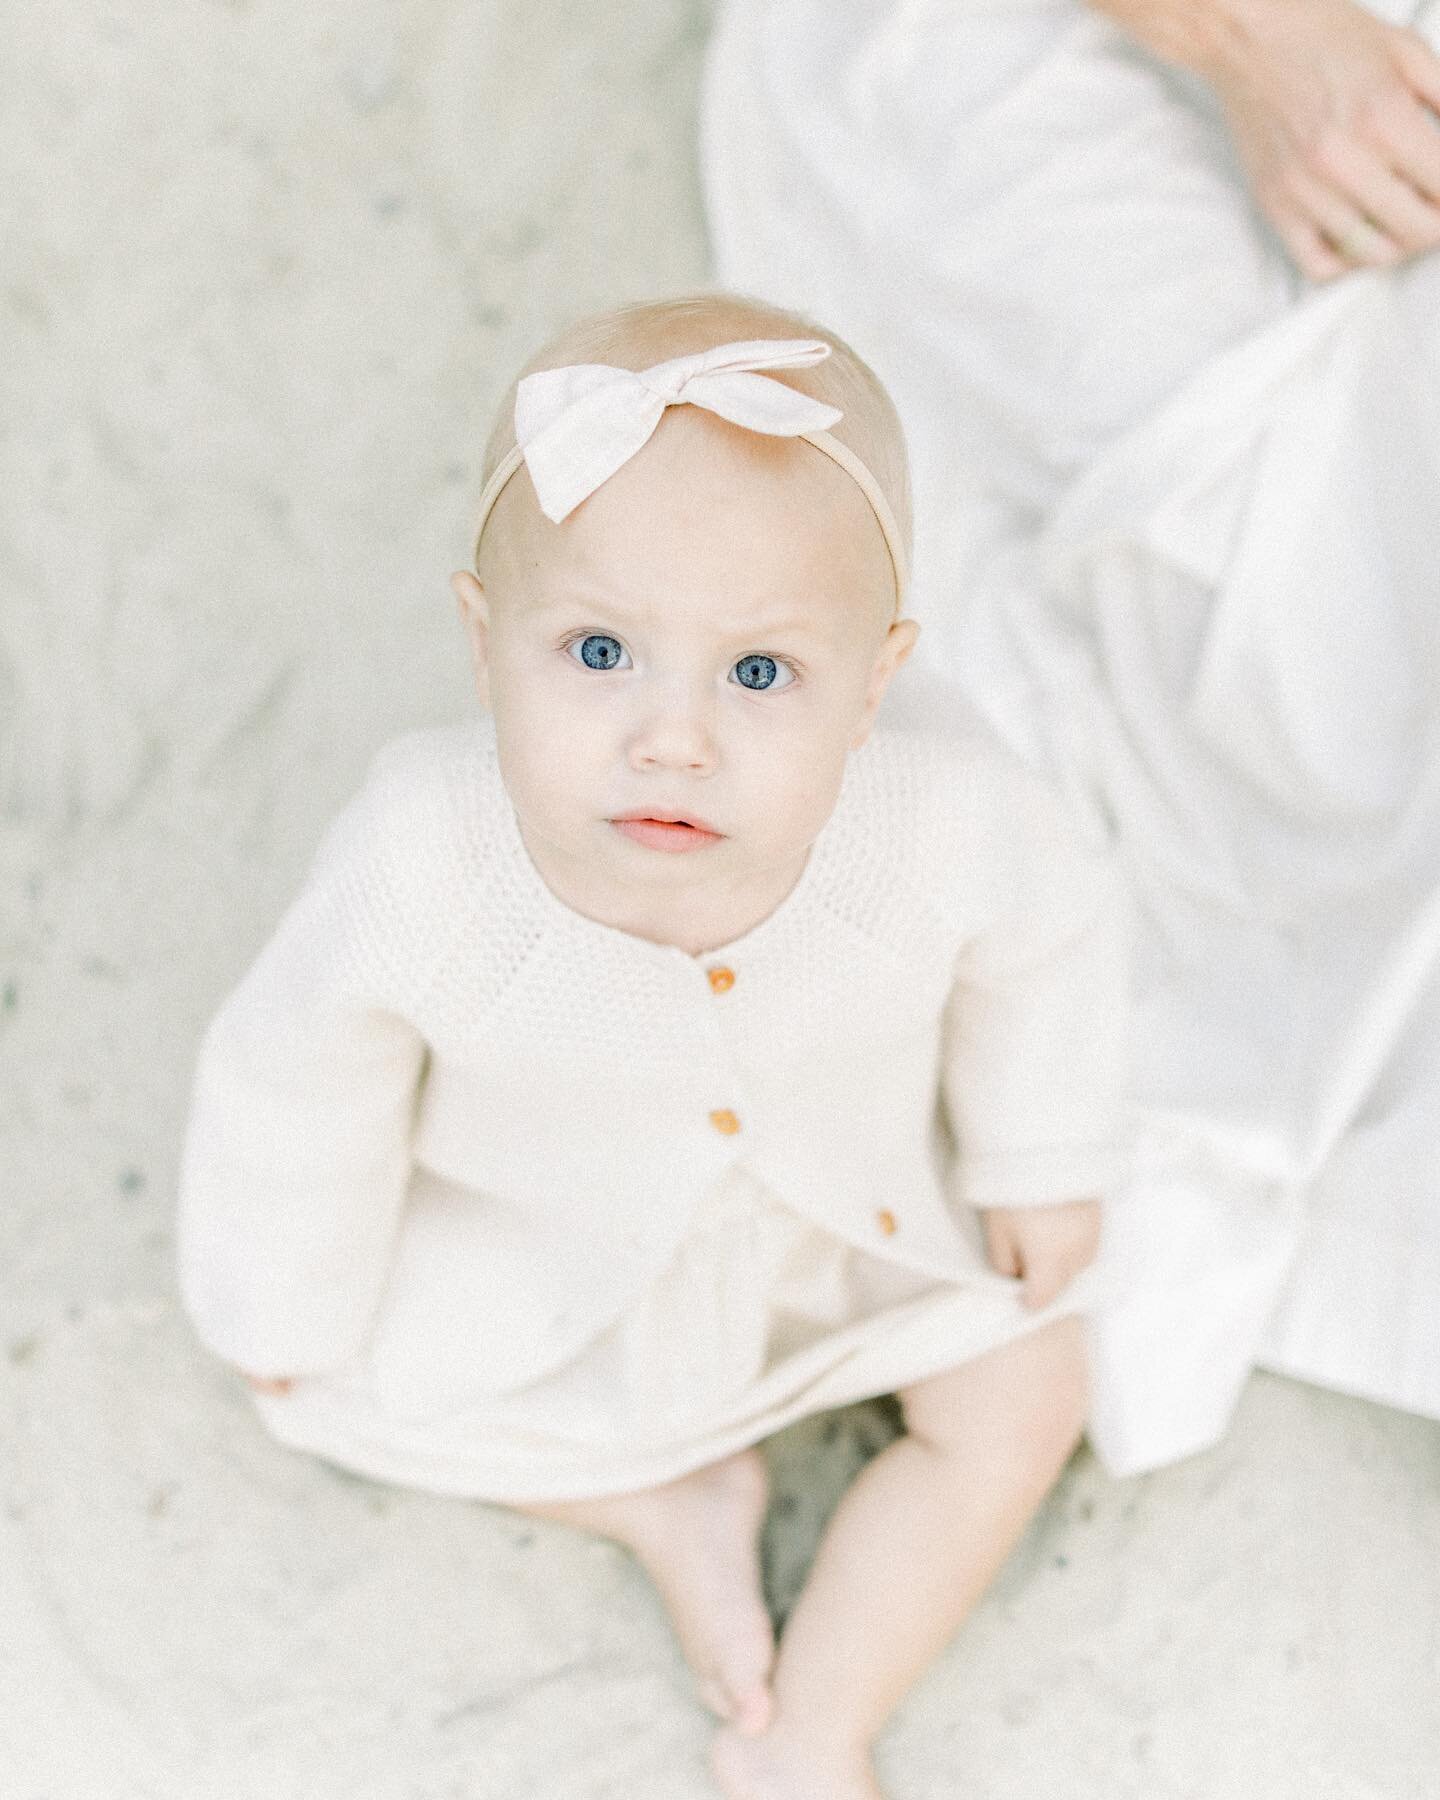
577 425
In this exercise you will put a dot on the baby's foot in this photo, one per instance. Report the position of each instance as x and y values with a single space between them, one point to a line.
780 1767
706 1564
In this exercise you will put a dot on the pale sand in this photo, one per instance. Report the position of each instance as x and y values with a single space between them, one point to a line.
267 268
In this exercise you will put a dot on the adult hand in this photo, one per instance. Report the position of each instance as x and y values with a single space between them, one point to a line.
1047 1246
1335 116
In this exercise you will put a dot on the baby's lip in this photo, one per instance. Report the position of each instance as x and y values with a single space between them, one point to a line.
663 815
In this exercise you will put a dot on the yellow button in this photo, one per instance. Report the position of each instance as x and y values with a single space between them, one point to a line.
721 980
887 1221
725 1121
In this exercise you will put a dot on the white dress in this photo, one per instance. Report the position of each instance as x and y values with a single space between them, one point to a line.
760 1318
1179 536
453 1159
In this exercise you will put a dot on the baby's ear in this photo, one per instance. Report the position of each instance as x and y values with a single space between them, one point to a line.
898 642
475 614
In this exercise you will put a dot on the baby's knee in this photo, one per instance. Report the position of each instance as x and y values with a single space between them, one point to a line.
1027 1400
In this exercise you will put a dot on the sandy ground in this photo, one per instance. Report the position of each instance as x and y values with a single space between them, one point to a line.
267 268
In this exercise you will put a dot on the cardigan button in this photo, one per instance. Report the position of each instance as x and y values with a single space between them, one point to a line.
725 1122
887 1221
721 980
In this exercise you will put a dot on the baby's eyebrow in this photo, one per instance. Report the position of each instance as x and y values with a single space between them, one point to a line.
556 600
603 611
776 628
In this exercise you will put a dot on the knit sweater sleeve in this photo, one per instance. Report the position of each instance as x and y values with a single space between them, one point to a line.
1035 1063
296 1156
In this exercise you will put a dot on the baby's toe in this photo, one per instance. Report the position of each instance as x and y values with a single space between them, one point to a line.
752 1711
748 1708
712 1693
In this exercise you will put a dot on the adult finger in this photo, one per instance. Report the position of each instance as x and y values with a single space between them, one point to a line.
1308 250
1390 201
1340 222
1420 66
1414 144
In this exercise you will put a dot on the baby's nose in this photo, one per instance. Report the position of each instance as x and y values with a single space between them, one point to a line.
676 733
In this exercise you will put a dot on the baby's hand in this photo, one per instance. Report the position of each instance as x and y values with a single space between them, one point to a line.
270 1384
1046 1245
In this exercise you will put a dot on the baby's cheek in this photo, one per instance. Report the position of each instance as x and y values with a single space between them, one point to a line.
796 798
545 737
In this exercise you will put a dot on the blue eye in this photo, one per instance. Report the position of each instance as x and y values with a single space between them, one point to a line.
760 672
598 651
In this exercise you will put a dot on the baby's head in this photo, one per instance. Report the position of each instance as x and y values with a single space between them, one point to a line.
705 637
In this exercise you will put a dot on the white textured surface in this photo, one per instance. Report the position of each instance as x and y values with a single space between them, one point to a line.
265 270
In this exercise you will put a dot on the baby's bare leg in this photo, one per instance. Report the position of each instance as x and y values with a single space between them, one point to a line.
698 1539
910 1548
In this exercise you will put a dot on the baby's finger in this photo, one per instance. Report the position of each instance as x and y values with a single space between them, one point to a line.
1044 1279
1001 1248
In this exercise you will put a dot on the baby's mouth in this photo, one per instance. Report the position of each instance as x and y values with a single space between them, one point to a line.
656 832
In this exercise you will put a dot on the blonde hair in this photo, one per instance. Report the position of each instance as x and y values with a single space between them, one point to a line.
635 335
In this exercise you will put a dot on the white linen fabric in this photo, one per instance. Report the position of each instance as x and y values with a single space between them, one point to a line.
446 1133
1178 535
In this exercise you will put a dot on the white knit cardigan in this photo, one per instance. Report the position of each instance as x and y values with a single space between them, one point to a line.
932 1020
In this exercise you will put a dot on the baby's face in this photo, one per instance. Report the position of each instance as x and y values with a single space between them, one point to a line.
678 671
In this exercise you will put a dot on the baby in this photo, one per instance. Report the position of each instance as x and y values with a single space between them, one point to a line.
683 1045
